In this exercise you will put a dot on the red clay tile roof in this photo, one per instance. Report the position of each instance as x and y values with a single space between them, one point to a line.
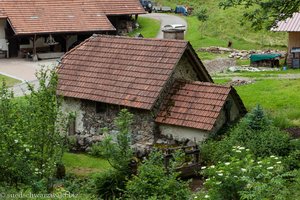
119 7
290 25
194 104
119 70
2 15
43 16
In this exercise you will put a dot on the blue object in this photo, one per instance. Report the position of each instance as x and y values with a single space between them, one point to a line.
284 68
182 10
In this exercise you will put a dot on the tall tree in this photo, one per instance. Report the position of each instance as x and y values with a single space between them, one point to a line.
264 13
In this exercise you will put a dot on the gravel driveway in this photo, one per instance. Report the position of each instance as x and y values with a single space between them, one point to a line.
24 70
165 19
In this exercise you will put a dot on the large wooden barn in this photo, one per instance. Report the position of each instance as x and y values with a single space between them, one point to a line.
50 28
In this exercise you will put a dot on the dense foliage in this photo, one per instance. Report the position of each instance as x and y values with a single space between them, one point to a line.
243 176
30 143
264 13
153 182
117 150
255 160
255 132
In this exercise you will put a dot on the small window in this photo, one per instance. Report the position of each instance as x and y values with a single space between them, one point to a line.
100 107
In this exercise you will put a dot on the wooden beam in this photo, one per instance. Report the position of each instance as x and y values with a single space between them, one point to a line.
34 55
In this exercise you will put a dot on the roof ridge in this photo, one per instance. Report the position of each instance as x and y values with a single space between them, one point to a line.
135 38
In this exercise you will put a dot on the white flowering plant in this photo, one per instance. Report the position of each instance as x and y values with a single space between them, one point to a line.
240 175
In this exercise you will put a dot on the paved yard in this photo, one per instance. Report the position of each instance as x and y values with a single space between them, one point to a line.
22 69
165 19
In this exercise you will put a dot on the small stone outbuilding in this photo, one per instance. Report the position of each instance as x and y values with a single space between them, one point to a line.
162 82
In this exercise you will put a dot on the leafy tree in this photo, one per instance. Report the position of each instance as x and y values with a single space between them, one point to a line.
264 13
30 142
118 152
152 181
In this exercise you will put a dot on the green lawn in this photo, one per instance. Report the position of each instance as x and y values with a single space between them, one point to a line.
223 26
221 81
279 97
210 56
257 75
83 164
8 80
148 27
217 31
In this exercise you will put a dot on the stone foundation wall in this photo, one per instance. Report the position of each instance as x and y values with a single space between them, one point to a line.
89 124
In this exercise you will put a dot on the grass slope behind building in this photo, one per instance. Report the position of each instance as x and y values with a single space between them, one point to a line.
279 97
223 26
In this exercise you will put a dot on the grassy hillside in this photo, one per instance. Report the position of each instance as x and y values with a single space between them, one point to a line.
223 26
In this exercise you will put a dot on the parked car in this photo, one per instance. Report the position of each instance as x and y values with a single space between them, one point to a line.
148 5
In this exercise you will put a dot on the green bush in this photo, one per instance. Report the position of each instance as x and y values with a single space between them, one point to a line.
255 132
295 144
78 185
243 177
293 160
109 184
30 141
201 14
119 152
152 181
96 150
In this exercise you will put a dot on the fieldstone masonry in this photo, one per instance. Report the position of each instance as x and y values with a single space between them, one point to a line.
89 124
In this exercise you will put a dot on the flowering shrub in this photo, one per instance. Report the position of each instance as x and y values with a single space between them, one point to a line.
255 132
244 177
